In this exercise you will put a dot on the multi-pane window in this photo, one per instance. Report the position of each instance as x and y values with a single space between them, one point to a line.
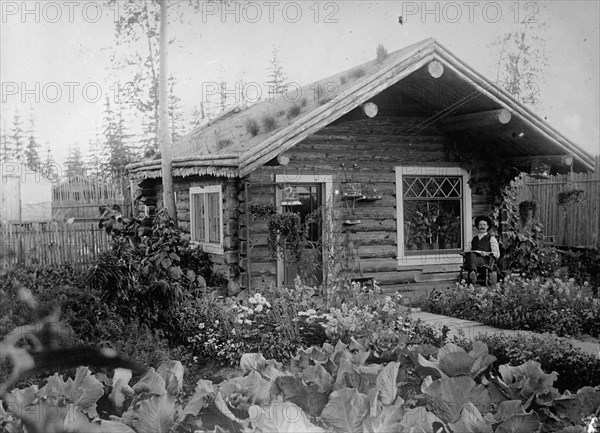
432 213
206 217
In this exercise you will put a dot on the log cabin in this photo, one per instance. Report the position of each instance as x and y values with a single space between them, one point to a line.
396 157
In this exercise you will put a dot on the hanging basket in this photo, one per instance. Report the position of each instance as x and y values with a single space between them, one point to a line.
291 196
540 170
571 195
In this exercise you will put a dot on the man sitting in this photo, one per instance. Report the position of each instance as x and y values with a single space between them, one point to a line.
483 246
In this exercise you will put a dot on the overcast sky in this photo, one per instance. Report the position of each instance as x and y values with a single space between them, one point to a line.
54 55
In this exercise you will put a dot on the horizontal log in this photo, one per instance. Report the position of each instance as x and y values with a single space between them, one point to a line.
378 265
182 205
358 141
259 269
437 277
359 213
378 251
183 215
373 238
398 277
378 160
258 239
369 225
476 120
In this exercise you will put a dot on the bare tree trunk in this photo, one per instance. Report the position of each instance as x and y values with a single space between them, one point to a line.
163 124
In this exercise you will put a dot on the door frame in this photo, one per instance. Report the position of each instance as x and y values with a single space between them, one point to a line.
326 181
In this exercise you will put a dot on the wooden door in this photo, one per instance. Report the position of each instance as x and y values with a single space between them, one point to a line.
308 201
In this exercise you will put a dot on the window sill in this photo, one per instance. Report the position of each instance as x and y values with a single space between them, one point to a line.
430 259
211 248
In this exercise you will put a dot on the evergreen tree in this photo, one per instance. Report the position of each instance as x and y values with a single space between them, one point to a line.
197 117
32 156
277 79
74 162
18 142
49 166
115 148
94 158
5 148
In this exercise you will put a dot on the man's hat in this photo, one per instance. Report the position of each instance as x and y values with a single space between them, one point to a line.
483 218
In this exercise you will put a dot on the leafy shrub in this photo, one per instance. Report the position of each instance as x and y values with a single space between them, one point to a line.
150 271
584 267
540 305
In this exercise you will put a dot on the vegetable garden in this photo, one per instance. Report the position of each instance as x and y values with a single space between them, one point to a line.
279 360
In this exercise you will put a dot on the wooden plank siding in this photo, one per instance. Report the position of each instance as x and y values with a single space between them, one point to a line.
574 226
365 151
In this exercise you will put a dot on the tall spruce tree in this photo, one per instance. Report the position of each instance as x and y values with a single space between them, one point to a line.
74 165
115 147
17 140
5 148
32 155
277 79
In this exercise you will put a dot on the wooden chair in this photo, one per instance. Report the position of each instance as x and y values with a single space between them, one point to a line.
487 274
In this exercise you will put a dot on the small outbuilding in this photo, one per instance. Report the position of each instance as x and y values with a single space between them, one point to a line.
24 197
387 163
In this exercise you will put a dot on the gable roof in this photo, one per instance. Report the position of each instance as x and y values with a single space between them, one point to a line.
228 145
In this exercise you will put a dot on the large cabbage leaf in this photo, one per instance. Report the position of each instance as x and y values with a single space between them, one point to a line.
346 410
281 417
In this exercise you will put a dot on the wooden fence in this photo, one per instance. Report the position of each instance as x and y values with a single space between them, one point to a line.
570 226
79 197
51 243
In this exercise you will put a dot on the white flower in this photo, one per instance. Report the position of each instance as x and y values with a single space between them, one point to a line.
258 308
252 300
248 322
311 312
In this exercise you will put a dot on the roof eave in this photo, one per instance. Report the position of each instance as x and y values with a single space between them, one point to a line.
507 101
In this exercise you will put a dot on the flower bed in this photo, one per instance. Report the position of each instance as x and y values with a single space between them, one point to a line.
540 305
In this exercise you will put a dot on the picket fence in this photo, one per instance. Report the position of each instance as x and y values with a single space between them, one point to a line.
51 243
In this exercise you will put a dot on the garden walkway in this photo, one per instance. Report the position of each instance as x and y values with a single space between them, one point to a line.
473 329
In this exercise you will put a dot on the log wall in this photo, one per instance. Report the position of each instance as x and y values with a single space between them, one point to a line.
366 151
226 263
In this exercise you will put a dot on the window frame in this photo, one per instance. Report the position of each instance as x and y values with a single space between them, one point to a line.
434 257
213 248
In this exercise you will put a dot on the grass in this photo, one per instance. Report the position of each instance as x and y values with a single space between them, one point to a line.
224 142
357 73
294 111
269 122
252 127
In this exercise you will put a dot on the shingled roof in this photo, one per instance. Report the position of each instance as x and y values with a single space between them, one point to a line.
228 145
